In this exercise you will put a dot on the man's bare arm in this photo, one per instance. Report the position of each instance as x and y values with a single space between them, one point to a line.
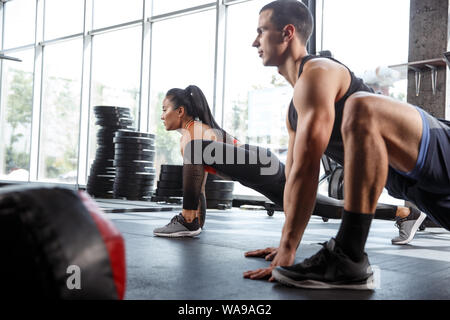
314 98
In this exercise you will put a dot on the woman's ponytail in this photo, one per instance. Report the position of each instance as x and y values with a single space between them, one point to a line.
200 109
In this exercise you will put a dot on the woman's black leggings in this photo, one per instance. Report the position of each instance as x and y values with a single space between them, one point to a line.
254 167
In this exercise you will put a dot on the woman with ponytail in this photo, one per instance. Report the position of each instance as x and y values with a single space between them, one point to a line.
187 110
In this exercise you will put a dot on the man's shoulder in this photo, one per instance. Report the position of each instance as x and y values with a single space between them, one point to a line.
321 66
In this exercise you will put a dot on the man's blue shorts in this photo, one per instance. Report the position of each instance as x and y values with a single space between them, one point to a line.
428 184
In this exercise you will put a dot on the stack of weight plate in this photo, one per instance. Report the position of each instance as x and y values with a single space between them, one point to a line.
101 178
170 184
134 153
219 192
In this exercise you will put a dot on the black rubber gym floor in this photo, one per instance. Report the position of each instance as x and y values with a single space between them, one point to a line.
210 266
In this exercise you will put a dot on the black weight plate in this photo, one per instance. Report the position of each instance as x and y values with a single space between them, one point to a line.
110 123
131 169
219 195
108 134
127 153
170 177
219 185
125 170
134 181
104 149
93 173
115 128
105 143
104 155
137 134
134 195
120 147
214 204
169 192
133 140
100 172
105 136
107 165
98 189
131 156
125 189
133 163
101 177
170 184
100 184
213 177
134 168
134 152
133 185
134 178
165 168
113 116
102 108
103 163
146 198
336 184
139 175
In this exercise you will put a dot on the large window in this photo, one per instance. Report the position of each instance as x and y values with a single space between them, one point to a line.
60 112
112 12
256 97
369 36
164 6
19 23
176 63
15 112
63 18
116 63
78 54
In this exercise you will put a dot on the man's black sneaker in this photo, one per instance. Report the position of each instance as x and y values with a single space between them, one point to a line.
330 268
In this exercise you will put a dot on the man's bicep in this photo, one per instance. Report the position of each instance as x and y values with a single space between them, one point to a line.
315 110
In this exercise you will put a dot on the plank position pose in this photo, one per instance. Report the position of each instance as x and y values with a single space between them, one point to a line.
381 142
187 110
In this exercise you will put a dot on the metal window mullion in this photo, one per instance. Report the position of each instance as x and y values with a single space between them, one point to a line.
149 58
218 58
144 76
21 48
183 12
37 94
36 113
83 134
61 39
233 2
2 16
129 24
224 66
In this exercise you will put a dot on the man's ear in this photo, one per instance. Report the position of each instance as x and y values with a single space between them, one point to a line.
288 32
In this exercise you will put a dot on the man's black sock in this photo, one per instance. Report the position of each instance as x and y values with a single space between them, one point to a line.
353 232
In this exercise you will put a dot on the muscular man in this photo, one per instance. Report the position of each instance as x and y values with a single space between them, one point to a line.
387 143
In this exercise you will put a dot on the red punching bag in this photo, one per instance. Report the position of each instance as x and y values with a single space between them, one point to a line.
56 243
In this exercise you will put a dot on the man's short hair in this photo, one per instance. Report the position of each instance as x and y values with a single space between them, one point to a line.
293 12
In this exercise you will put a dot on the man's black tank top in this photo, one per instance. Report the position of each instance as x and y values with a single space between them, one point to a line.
335 148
